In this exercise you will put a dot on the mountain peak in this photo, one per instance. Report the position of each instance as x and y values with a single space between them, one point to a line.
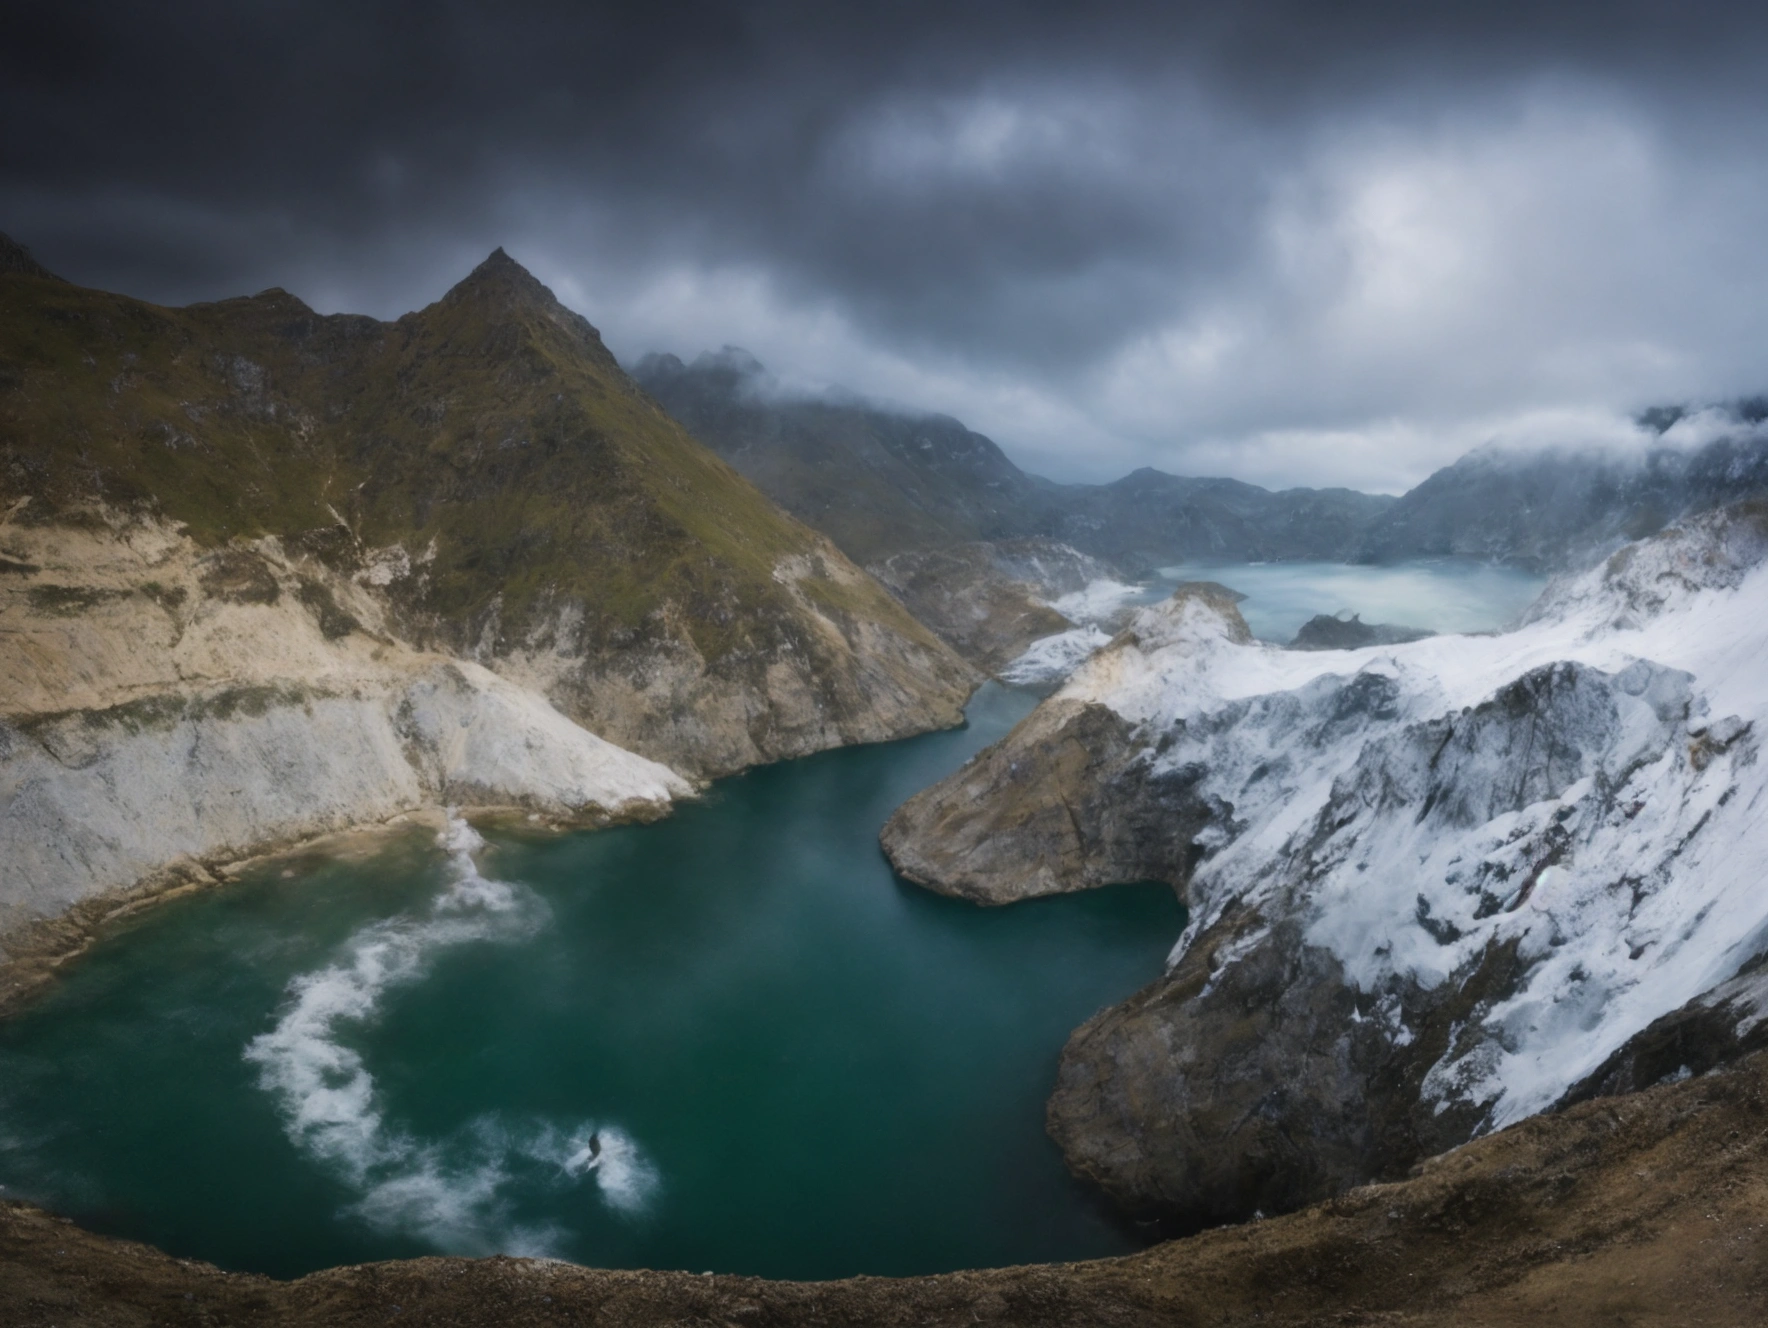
731 360
503 281
16 261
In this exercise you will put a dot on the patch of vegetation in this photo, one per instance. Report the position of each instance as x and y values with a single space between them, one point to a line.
254 701
141 714
69 601
148 713
239 576
168 598
333 621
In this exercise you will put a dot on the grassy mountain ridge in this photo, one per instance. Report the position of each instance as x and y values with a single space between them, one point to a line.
484 460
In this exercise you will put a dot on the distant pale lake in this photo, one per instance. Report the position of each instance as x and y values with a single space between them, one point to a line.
729 1041
1439 595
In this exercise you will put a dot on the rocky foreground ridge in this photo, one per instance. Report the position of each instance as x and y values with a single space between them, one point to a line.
265 574
1435 887
1645 1210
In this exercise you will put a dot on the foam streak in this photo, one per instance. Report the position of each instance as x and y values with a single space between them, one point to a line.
452 1193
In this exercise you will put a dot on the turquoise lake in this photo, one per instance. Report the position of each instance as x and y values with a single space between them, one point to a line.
1437 595
732 1040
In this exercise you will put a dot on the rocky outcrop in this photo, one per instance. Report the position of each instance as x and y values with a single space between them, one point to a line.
831 670
1064 802
1326 631
1434 888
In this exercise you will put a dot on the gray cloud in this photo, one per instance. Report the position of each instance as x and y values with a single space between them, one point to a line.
1292 242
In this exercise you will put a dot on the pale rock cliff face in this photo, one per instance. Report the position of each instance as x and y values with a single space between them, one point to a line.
830 679
1434 887
168 708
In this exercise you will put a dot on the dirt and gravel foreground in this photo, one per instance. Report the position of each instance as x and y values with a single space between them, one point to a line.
1646 1209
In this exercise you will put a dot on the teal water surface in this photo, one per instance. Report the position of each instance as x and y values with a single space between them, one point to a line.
1433 594
729 1041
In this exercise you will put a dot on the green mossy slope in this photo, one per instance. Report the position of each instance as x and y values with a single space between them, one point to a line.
484 460
494 424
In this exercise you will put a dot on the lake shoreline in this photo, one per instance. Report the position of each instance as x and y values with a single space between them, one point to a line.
760 950
38 951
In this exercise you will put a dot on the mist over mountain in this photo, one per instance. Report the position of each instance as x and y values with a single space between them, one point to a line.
875 481
1558 507
881 481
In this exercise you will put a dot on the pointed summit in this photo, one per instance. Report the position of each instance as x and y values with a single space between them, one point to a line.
503 282
501 310
16 261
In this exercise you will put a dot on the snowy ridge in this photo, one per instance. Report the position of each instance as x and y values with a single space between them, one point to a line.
1052 658
1583 793
1100 604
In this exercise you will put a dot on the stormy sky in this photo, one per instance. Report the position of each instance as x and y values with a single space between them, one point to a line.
1322 243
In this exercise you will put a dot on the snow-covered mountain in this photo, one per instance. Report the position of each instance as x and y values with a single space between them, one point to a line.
1434 887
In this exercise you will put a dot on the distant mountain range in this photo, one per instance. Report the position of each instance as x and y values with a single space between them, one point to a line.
882 482
1550 510
877 482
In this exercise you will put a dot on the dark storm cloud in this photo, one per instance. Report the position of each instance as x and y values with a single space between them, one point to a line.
1275 239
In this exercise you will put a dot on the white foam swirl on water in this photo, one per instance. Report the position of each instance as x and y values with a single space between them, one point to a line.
452 1192
626 1178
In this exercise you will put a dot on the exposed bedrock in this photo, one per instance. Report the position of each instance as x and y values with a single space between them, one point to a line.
1434 887
166 710
1063 803
1066 801
1326 631
1258 1074
990 600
